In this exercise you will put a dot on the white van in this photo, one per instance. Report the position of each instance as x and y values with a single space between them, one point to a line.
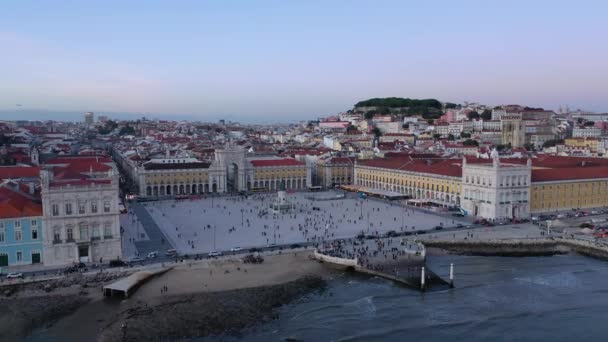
152 255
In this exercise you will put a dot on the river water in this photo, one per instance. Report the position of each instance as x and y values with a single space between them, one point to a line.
559 298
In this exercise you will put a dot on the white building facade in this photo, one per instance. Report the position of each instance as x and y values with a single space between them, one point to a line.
81 219
496 191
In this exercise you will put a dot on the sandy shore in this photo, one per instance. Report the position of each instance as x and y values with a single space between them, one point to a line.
228 293
231 274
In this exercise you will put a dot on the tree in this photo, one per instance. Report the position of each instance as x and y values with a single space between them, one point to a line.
451 137
552 142
529 146
351 128
486 114
430 121
501 147
370 114
470 142
376 131
473 115
385 110
405 126
398 102
126 130
589 123
108 127
436 136
465 135
450 105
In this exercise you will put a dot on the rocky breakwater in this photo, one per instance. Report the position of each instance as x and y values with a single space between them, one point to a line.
597 250
507 247
188 316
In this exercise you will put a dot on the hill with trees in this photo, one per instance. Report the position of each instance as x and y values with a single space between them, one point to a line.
428 108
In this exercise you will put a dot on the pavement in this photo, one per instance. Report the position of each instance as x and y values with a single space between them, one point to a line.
218 224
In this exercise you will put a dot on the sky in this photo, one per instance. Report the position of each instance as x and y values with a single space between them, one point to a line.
296 60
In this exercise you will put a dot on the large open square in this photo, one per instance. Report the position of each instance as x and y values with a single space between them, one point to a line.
221 223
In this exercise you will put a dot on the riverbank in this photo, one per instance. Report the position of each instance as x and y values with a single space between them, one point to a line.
518 247
179 317
218 290
512 248
28 306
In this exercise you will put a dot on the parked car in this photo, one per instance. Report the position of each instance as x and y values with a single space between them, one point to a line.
438 227
459 225
214 254
152 255
458 214
136 259
171 252
14 275
391 233
295 245
117 263
236 249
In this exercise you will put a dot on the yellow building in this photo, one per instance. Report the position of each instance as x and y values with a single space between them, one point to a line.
561 189
334 171
556 183
433 181
277 174
178 176
579 143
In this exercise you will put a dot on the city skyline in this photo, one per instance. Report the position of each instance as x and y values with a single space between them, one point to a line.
291 61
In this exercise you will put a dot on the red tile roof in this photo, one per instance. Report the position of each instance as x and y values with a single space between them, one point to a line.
78 182
275 162
14 204
73 159
443 167
7 172
571 173
341 160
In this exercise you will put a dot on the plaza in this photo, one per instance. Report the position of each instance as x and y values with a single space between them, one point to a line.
201 225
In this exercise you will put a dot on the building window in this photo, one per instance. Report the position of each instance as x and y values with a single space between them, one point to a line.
84 233
94 206
56 235
55 210
18 235
106 206
34 223
107 231
19 256
34 233
17 224
70 234
95 235
81 208
68 208
1 234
